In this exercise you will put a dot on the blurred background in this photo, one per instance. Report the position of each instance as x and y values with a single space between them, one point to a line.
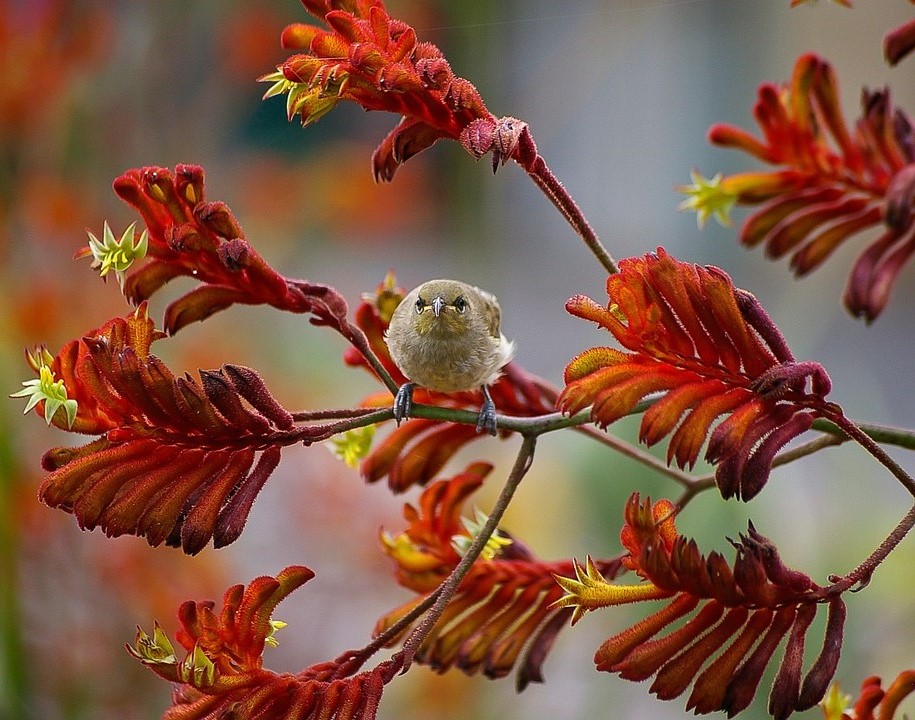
618 94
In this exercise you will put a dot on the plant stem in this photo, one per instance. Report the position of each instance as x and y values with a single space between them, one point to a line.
450 585
359 341
861 575
865 441
635 453
544 178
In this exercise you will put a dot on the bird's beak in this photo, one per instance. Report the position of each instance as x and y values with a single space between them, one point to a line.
438 303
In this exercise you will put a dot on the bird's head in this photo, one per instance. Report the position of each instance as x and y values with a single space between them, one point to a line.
442 307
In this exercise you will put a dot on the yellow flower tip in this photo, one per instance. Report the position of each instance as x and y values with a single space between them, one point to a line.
45 388
116 254
271 636
708 198
589 590
407 554
38 356
386 297
353 445
493 546
835 703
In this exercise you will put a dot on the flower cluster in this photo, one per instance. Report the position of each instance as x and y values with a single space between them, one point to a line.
367 57
504 606
736 617
712 350
190 237
177 461
222 673
833 183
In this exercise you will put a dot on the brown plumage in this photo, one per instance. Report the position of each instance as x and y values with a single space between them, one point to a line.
445 335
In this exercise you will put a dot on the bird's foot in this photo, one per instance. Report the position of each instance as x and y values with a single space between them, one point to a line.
403 402
487 418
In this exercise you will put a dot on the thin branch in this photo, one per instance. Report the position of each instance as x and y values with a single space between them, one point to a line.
701 484
543 177
450 585
636 453
332 414
358 340
867 442
861 575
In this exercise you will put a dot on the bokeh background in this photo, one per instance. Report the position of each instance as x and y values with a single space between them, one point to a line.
618 94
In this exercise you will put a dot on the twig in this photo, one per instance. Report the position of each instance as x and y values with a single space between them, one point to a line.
635 453
865 441
543 177
861 575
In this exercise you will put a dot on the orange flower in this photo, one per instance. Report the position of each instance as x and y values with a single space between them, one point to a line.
368 57
503 612
222 675
833 183
743 613
712 350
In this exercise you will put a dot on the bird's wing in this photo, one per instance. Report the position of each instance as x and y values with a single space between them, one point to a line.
492 313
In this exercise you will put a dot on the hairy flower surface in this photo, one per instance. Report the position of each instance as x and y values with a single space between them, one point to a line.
729 620
503 607
833 181
178 460
711 350
414 452
222 673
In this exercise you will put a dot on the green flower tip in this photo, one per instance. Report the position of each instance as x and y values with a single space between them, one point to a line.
271 640
46 388
155 650
708 198
835 703
494 545
111 253
311 101
353 445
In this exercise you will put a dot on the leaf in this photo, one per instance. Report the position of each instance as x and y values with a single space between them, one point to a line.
702 349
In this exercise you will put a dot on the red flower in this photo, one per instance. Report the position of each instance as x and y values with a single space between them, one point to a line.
178 461
834 181
712 350
735 616
222 674
417 450
372 59
503 606
202 240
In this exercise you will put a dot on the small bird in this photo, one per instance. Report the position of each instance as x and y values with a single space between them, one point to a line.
445 336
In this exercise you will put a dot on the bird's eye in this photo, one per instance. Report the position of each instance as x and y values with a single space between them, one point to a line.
420 305
460 304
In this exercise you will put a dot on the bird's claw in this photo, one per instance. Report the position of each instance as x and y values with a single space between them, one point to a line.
403 402
487 417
